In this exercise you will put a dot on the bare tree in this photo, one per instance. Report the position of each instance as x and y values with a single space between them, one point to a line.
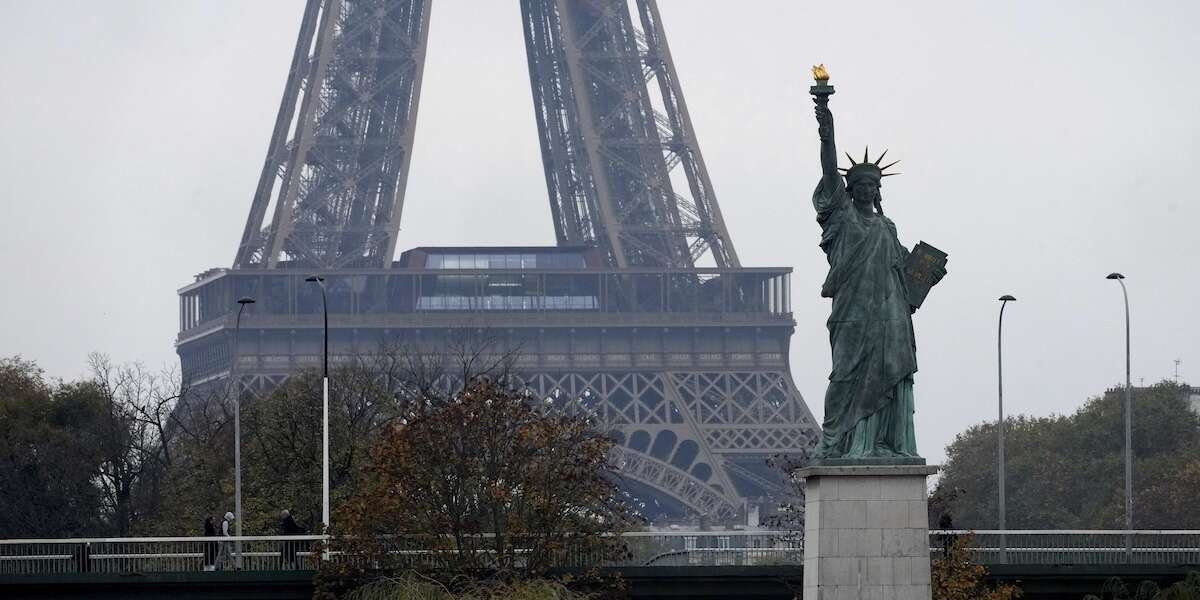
136 437
428 376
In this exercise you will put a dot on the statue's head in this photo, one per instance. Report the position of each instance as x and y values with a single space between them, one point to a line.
863 180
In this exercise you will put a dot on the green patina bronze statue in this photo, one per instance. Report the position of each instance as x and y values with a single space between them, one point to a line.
876 284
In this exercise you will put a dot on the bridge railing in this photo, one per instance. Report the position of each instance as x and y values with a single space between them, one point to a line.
155 555
273 553
711 548
652 548
1079 547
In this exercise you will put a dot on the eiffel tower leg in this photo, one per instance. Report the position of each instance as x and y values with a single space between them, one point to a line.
697 441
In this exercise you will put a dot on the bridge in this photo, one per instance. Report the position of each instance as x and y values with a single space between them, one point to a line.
727 563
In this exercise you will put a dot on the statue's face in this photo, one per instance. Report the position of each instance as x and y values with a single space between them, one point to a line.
865 193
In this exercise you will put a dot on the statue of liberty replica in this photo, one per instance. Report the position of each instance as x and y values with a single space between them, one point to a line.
876 285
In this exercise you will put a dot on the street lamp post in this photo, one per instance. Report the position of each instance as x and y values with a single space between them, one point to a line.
320 281
237 430
1128 425
1004 300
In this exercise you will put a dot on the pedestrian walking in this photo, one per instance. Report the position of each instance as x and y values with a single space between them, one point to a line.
210 547
82 555
225 557
288 526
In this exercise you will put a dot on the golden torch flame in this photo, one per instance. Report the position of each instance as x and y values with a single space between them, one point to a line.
819 73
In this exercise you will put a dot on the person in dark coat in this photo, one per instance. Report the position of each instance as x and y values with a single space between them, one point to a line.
210 548
82 557
288 526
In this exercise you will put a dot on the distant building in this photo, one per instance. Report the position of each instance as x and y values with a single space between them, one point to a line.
1191 394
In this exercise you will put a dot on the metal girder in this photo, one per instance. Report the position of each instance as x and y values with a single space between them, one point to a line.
337 165
623 170
685 434
696 495
608 145
333 181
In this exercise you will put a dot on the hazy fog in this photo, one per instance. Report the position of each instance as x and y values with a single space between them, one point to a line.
1044 144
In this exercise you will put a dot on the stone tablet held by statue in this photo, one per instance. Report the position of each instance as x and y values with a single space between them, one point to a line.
922 269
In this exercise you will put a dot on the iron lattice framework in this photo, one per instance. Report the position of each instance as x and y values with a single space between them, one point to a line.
683 362
609 146
698 438
681 433
334 177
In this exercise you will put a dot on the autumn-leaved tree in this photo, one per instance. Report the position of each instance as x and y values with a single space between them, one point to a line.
957 576
281 431
484 484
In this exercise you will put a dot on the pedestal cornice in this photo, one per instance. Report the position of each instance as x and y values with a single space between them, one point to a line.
865 470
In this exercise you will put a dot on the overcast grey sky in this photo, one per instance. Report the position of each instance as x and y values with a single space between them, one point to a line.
1044 144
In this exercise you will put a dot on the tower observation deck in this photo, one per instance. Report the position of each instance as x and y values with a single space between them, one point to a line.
685 365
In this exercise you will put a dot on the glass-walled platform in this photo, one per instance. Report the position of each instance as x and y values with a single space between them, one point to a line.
381 292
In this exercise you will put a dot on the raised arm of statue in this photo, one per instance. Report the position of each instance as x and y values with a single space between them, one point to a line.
828 148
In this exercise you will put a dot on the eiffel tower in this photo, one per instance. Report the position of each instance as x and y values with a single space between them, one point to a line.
641 316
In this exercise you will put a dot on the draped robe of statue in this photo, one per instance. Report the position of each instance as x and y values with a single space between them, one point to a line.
869 401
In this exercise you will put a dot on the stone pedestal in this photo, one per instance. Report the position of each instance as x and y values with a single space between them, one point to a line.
866 532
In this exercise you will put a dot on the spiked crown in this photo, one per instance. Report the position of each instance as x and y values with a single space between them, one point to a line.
866 169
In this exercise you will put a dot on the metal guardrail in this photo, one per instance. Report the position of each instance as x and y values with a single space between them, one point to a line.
155 555
712 548
272 553
1079 547
652 548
